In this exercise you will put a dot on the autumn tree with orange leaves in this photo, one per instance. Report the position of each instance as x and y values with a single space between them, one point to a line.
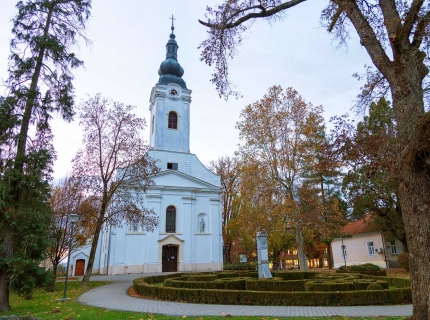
276 132
395 35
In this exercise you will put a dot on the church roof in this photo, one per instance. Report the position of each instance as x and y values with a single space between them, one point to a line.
170 70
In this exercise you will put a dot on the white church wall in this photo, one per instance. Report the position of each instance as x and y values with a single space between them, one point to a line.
198 170
188 163
202 252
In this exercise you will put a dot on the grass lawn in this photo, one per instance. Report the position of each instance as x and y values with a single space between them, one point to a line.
45 306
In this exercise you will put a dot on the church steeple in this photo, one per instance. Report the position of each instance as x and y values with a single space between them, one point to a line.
170 104
170 70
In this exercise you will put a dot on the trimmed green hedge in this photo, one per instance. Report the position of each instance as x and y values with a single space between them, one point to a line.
145 287
367 268
275 284
396 282
319 285
231 274
237 283
297 275
199 277
363 284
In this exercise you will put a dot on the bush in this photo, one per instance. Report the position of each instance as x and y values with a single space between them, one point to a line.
360 267
403 260
275 284
319 285
396 282
144 287
364 284
374 286
300 275
240 266
49 281
367 268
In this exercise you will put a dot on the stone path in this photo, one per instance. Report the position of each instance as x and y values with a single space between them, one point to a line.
114 296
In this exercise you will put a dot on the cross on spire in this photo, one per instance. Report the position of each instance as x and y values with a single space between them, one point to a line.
172 18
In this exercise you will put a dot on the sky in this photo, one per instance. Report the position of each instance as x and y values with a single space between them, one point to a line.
128 46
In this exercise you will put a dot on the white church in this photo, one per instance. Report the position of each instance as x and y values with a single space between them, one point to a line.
186 196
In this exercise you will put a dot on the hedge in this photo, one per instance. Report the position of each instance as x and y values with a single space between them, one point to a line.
144 287
237 283
299 275
396 282
275 285
329 286
362 284
367 268
224 274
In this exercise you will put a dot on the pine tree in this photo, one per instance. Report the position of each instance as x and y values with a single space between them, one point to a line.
39 84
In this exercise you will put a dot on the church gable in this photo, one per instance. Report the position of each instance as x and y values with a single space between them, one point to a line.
172 178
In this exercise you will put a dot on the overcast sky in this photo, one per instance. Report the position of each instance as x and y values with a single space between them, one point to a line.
128 45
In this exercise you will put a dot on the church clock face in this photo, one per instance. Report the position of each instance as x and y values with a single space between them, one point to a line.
173 91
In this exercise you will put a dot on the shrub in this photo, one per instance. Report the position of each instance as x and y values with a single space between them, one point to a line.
403 260
367 268
364 284
360 267
240 266
299 275
374 286
200 277
144 287
396 282
49 281
275 284
319 285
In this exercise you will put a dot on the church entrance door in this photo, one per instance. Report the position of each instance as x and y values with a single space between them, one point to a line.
80 266
170 257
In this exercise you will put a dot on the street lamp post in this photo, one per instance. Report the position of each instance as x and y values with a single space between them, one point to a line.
72 218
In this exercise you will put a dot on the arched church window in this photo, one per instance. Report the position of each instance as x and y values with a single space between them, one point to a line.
153 123
173 120
170 219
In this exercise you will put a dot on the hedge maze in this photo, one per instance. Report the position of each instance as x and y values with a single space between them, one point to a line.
286 288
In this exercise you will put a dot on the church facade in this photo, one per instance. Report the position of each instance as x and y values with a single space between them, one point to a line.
186 195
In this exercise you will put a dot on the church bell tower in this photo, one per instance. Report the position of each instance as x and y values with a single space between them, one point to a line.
170 104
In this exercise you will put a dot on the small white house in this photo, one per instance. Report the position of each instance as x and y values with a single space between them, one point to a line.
365 243
186 195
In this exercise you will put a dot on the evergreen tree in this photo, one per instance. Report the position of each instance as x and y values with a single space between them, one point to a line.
39 84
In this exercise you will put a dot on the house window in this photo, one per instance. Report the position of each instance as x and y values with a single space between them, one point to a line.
172 166
173 120
170 219
393 247
343 250
370 248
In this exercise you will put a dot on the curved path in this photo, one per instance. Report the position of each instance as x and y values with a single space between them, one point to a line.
114 296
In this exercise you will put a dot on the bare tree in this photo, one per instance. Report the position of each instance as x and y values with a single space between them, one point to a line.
113 168
229 169
396 37
65 199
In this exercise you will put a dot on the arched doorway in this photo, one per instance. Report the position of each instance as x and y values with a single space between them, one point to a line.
80 267
169 258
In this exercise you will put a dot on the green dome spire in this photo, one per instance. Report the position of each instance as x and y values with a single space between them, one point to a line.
170 70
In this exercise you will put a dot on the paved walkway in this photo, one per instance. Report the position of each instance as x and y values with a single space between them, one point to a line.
114 296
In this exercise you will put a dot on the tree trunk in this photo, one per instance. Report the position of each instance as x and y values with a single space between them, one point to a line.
29 103
414 187
4 283
329 254
87 275
54 270
300 249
